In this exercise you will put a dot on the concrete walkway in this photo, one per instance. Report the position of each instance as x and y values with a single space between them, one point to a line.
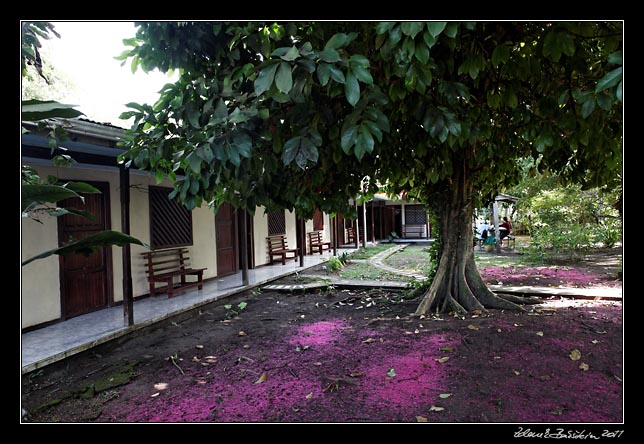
58 341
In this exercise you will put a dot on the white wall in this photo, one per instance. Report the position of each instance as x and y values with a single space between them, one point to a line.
41 298
260 233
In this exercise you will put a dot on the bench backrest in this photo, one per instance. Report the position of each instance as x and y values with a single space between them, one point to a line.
315 237
165 261
277 243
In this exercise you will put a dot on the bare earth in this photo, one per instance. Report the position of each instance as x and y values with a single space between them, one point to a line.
354 356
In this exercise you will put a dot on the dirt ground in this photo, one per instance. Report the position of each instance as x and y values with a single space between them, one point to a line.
336 356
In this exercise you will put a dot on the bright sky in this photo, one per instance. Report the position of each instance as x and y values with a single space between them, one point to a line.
85 53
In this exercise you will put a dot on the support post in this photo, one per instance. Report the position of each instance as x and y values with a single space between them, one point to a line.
128 296
334 234
364 224
244 247
495 211
302 240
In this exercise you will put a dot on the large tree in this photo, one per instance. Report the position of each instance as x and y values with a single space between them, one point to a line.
296 114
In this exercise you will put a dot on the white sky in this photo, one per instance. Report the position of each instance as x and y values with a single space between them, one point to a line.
85 54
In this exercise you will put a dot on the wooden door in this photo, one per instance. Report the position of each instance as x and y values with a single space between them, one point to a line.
85 281
226 236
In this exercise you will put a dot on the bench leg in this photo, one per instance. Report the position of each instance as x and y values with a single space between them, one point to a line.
151 288
170 288
200 278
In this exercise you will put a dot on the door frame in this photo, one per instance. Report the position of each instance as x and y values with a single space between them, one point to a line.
104 188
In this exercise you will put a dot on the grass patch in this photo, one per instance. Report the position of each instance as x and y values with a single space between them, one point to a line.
365 271
414 258
366 253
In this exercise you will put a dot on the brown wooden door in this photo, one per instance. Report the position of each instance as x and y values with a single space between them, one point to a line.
226 237
85 281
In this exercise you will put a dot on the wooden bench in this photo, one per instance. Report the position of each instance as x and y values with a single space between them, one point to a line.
317 243
278 247
409 231
164 265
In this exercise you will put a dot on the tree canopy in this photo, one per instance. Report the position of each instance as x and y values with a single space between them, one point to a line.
296 114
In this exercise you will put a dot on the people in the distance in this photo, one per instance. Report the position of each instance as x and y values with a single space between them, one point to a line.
505 228
482 230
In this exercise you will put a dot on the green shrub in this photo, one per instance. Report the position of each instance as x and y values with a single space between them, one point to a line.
334 264
608 234
565 241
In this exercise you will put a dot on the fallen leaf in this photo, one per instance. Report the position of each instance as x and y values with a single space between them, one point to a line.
539 333
317 363
368 341
497 357
499 330
309 396
242 333
544 378
246 346
443 359
356 374
421 419
618 378
416 331
584 366
155 395
472 327
518 325
595 341
210 359
262 378
409 332
517 372
444 395
391 373
575 355
198 346
436 409
477 312
422 316
195 359
446 349
161 386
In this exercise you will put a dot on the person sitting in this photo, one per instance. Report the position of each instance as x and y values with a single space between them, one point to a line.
505 228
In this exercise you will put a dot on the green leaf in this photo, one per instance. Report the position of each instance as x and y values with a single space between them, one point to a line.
265 79
34 110
615 58
588 107
337 41
352 88
221 110
90 244
501 54
193 114
551 46
284 78
566 43
374 129
336 74
81 187
364 142
292 54
604 101
244 143
391 372
358 60
348 138
429 39
291 148
195 163
422 53
36 194
609 80
618 91
330 55
411 28
324 73
435 28
62 211
383 27
451 29
363 75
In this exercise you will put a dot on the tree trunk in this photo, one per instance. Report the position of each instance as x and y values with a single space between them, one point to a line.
458 286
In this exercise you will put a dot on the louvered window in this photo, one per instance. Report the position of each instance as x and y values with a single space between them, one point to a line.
276 222
415 215
170 222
